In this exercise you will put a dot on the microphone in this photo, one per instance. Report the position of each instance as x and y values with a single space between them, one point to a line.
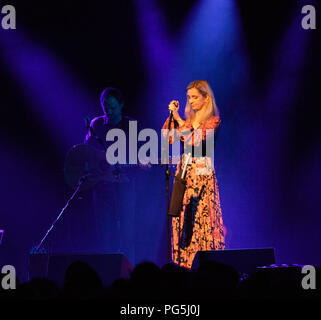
171 117
84 178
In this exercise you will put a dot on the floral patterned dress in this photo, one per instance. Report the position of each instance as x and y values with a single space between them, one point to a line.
200 225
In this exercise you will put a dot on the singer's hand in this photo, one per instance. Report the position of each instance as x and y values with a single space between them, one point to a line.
173 107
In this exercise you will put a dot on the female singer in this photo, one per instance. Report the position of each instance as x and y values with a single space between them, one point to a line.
199 226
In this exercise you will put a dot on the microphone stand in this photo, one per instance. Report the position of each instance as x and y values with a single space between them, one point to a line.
165 152
81 181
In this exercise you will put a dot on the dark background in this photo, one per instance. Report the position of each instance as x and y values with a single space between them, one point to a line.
266 80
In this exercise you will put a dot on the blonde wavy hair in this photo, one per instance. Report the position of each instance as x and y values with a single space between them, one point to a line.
210 108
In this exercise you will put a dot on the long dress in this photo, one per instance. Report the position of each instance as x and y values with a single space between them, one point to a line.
200 225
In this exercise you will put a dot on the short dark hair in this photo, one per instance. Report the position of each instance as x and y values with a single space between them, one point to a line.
112 92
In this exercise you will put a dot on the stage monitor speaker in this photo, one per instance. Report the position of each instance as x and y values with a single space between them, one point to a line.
243 260
109 267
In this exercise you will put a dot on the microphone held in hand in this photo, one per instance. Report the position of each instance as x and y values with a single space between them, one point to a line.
171 113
